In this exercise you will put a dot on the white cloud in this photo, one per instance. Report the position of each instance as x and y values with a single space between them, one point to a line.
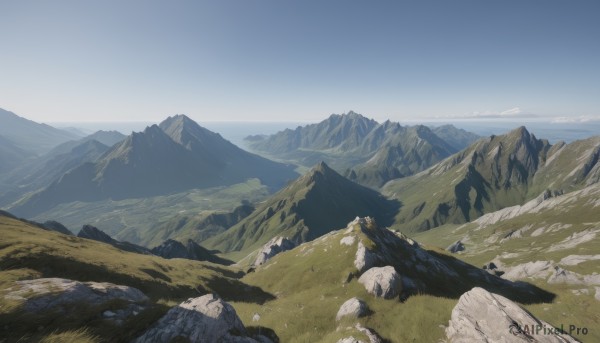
511 112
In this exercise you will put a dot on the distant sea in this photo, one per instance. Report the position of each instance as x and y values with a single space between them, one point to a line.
236 131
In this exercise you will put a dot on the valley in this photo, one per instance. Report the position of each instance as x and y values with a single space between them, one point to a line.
359 232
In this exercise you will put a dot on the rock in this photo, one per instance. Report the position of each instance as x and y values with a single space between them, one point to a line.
203 319
383 282
348 240
364 259
481 316
353 308
573 260
349 340
273 247
372 335
490 266
55 294
191 251
564 276
537 269
597 295
456 247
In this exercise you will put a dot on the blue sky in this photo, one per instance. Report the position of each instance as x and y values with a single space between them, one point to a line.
299 60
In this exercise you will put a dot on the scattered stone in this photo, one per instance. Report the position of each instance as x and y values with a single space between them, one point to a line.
348 240
597 296
372 335
564 276
481 316
573 260
353 308
203 319
456 247
349 340
383 282
273 247
537 269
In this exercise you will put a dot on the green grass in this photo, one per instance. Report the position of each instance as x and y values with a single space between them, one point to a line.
142 221
28 252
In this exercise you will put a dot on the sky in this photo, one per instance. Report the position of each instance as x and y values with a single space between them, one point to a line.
299 61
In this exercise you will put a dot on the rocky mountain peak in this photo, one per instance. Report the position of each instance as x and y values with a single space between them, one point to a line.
92 232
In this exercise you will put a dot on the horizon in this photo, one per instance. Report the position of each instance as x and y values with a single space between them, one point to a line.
295 62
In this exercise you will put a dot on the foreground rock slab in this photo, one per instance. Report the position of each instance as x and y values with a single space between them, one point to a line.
352 308
481 316
203 319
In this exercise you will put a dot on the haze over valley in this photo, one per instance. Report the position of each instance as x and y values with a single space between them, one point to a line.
323 172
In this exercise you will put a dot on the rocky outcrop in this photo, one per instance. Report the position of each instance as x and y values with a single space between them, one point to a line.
273 247
382 282
203 319
481 316
191 251
55 294
93 233
456 247
352 308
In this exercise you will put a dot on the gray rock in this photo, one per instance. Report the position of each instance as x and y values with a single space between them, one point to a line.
383 282
456 247
481 316
349 340
273 247
203 319
55 294
372 335
364 259
353 308
597 295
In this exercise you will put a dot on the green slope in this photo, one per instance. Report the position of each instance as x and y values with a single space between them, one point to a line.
316 203
491 174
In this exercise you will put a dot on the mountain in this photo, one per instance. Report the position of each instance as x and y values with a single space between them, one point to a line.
310 207
42 171
93 233
457 138
179 157
29 135
191 251
491 174
197 226
108 138
11 155
404 151
367 152
388 277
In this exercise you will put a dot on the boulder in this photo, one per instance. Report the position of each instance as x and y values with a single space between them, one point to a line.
349 340
383 282
353 308
203 319
364 259
481 316
273 247
55 294
456 247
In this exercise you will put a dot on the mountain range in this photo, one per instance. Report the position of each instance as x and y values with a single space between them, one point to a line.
362 149
491 174
177 155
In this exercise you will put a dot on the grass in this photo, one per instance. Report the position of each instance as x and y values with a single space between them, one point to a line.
141 220
28 252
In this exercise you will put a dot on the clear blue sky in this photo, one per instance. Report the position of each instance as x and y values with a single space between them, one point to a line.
298 60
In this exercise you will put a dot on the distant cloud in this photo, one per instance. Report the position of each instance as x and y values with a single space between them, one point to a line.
511 112
579 119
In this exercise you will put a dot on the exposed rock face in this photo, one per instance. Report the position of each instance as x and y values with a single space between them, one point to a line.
191 251
349 340
456 247
203 319
364 258
353 308
93 233
529 270
481 316
383 282
55 294
273 247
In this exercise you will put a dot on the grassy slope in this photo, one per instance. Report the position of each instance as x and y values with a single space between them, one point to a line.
463 187
142 221
316 203
27 252
310 285
574 212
